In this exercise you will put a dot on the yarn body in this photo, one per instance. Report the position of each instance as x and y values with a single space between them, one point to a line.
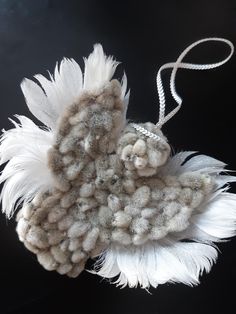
109 187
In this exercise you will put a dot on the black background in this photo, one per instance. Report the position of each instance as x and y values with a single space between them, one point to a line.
143 35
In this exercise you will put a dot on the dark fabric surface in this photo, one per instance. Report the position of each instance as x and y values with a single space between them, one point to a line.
142 35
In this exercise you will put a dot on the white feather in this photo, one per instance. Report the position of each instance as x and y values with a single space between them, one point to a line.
25 147
195 234
38 103
172 167
123 86
177 164
65 86
99 69
157 263
223 180
218 217
125 96
214 221
48 102
204 164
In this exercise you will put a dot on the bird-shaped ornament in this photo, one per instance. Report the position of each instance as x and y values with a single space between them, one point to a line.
89 183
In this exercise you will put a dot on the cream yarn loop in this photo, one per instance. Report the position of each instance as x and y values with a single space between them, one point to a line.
175 66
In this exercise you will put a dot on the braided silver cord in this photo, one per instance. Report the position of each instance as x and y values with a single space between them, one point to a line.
176 65
148 133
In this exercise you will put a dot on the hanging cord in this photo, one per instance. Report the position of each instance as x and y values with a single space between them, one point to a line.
176 65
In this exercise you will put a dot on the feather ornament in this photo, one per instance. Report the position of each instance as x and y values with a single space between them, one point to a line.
88 183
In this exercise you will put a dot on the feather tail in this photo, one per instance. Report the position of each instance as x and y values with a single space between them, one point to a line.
157 263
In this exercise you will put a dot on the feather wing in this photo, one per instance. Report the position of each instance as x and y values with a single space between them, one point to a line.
25 147
169 259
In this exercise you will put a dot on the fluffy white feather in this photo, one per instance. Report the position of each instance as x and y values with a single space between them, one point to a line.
173 165
177 164
218 217
156 263
125 95
99 68
203 164
38 103
25 148
48 101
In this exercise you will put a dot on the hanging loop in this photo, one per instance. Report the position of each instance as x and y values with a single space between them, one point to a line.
179 64
175 66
